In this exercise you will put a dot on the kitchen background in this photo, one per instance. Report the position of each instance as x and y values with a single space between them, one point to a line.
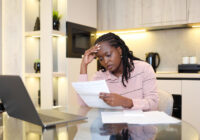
171 44
20 45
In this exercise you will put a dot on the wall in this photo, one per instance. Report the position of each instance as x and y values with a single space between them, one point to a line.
0 37
13 33
171 44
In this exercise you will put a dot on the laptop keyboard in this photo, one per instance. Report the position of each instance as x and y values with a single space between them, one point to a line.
46 118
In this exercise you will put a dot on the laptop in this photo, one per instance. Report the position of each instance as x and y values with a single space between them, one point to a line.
18 104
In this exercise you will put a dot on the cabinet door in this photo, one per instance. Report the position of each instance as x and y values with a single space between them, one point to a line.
171 86
191 102
194 11
163 12
118 14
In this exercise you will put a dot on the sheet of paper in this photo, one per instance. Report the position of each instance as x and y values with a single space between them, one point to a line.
89 92
151 117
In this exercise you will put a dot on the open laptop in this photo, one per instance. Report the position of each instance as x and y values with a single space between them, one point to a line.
18 104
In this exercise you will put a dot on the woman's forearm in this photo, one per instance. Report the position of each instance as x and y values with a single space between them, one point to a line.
83 69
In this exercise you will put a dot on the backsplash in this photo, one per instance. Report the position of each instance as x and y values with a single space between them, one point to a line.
171 44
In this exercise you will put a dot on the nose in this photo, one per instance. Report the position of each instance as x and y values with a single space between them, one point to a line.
106 60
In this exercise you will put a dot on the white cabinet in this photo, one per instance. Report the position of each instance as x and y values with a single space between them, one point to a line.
164 12
191 103
82 12
190 91
171 86
193 11
126 14
118 14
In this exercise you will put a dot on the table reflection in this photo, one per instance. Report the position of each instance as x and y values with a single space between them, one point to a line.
94 129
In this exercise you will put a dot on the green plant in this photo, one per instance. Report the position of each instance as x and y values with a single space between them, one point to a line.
37 61
56 15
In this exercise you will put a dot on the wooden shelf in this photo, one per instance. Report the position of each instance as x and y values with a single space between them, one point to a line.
38 75
59 74
37 34
35 75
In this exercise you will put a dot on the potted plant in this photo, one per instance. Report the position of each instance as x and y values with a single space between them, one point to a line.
56 18
37 65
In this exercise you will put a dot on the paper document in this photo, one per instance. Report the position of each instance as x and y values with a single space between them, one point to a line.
151 117
89 92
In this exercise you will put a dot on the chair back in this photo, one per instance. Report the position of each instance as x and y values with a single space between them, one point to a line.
165 102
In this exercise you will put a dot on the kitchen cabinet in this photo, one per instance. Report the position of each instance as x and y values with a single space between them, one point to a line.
118 14
127 14
164 12
171 86
82 12
190 102
189 89
193 11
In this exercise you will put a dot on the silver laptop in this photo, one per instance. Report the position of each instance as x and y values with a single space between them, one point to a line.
18 104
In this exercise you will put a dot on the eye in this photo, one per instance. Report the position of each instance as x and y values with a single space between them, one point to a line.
108 55
100 58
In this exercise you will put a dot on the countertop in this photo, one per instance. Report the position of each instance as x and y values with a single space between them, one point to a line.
178 75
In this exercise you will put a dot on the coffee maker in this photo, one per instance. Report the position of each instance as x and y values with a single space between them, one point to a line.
153 58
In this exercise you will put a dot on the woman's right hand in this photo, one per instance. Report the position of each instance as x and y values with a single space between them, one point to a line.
89 55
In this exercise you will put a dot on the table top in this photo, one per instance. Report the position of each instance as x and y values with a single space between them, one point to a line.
93 129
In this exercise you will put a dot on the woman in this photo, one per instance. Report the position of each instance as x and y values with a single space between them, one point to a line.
131 82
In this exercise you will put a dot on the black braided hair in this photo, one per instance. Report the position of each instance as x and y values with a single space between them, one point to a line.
127 55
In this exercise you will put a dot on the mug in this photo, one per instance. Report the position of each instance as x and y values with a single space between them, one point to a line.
193 60
185 60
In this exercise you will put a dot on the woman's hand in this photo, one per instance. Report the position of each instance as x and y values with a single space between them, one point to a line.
89 55
114 99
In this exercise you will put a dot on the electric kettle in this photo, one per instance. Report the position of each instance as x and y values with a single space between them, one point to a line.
153 58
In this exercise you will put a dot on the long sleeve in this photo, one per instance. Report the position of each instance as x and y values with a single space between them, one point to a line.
150 97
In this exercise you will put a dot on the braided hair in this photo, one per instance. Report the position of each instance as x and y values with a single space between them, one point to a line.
127 55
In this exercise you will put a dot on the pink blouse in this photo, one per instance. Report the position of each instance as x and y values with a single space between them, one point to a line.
141 86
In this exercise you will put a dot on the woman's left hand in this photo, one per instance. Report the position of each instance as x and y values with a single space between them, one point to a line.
114 99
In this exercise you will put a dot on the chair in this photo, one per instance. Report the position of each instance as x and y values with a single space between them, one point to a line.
165 102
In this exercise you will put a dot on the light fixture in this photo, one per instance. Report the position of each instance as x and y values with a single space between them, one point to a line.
36 36
196 26
56 35
122 32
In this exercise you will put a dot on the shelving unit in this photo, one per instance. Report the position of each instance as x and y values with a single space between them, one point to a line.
37 34
49 46
37 75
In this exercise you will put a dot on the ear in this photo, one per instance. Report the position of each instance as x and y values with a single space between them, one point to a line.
119 50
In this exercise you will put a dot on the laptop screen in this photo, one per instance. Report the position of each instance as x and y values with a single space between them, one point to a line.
16 99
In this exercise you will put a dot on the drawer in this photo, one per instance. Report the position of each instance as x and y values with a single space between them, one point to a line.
171 86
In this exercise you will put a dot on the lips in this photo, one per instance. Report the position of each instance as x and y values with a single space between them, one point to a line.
109 67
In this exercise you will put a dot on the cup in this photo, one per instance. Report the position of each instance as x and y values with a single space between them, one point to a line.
185 60
193 60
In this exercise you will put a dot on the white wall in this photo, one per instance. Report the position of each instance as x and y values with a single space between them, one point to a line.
0 37
171 44
13 37
82 12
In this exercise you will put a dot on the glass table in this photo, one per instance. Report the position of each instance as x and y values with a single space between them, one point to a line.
93 129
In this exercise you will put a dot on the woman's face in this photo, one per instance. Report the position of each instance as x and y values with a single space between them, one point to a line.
110 57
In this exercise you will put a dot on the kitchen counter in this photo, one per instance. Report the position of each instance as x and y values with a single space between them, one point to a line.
176 76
